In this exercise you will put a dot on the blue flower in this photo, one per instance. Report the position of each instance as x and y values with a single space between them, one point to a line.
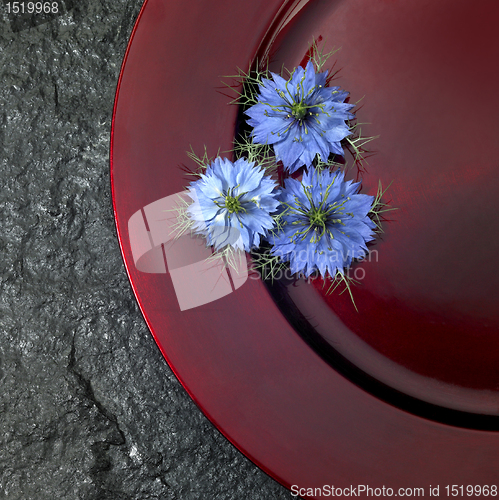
232 203
300 117
325 223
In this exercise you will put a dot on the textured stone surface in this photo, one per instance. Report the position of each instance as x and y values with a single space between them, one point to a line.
88 407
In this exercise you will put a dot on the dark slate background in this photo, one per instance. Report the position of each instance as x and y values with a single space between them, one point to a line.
88 407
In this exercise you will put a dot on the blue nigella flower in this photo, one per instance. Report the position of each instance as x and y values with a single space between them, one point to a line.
232 203
300 117
325 223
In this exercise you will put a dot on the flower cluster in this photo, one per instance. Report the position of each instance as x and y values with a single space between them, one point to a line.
311 217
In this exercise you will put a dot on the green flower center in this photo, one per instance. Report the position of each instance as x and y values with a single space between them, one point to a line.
317 217
233 205
299 110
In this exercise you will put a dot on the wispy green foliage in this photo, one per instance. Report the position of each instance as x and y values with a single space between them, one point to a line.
356 145
270 266
379 207
344 280
202 162
183 223
318 57
261 154
244 84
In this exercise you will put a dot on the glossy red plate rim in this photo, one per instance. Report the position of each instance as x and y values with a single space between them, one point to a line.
285 10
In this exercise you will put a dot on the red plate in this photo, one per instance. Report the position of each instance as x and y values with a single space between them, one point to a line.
404 393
